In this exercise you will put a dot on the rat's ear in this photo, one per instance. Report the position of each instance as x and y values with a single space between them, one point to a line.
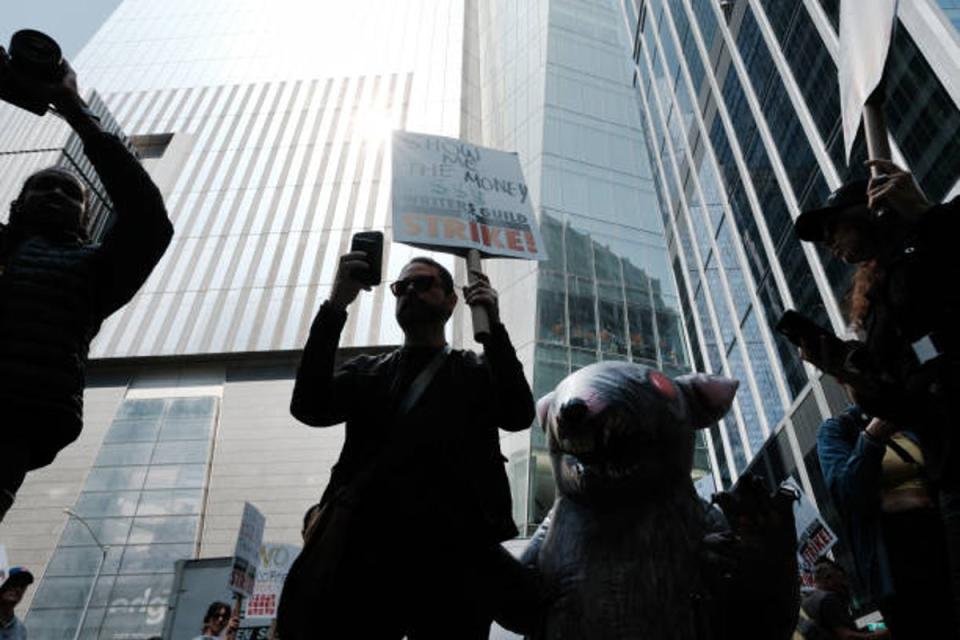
709 397
543 409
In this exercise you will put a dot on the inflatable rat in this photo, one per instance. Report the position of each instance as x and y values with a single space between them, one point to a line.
629 551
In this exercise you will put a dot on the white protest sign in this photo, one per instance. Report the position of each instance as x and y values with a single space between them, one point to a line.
814 536
3 563
866 30
246 555
453 196
275 563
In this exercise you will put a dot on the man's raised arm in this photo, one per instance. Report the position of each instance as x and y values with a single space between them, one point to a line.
141 230
323 397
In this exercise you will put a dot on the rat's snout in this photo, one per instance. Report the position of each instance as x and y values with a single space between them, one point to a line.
572 417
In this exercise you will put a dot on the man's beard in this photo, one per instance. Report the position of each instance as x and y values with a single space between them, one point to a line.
414 312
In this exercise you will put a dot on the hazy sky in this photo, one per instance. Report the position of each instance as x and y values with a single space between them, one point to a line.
70 22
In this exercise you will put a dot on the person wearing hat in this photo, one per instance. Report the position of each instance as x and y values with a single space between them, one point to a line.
904 306
11 593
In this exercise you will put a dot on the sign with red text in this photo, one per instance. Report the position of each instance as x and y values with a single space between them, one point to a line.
814 536
275 563
452 196
246 554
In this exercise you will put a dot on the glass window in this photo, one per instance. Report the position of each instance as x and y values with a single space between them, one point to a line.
111 531
107 503
579 253
923 118
186 429
763 370
201 407
613 337
583 326
106 478
180 452
141 409
744 398
143 498
125 454
82 561
703 11
55 592
150 530
179 476
670 329
551 307
952 10
133 431
170 502
153 558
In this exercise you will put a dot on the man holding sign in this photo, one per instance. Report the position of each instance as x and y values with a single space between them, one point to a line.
408 532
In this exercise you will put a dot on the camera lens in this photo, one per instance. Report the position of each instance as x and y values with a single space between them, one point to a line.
36 55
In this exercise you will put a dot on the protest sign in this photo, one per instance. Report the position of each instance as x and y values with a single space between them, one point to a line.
275 563
814 536
246 554
453 196
3 563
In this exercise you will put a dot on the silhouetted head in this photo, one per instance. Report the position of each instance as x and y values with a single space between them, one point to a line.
618 426
844 224
52 203
14 587
425 294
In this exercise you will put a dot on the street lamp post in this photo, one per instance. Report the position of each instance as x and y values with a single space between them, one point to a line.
103 558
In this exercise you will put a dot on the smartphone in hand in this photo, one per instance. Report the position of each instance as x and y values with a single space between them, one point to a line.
820 346
370 243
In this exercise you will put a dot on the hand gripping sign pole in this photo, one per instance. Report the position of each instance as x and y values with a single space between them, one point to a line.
455 197
866 31
481 319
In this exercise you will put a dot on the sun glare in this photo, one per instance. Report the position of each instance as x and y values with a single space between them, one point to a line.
373 124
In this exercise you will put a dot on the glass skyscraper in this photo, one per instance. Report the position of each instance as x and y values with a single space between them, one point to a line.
741 112
266 126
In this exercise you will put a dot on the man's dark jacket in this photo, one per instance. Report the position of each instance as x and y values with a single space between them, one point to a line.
56 292
446 450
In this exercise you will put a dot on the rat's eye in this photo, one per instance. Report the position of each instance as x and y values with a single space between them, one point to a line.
662 384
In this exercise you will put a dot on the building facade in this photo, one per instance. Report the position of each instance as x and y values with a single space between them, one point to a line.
741 112
266 126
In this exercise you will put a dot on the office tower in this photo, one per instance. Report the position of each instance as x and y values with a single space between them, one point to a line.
742 120
266 126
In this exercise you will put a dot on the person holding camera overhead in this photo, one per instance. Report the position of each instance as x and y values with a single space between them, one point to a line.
905 309
56 287
406 538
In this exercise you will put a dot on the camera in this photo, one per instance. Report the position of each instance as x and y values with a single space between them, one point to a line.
34 59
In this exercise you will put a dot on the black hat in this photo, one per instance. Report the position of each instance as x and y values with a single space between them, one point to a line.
811 225
17 577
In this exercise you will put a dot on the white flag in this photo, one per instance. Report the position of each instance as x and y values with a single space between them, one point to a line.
866 27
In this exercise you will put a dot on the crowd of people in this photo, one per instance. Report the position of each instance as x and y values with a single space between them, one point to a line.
372 553
890 460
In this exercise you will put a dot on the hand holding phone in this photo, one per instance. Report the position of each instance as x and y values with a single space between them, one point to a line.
818 346
369 243
358 269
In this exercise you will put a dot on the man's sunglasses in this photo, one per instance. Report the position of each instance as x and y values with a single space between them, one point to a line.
419 284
